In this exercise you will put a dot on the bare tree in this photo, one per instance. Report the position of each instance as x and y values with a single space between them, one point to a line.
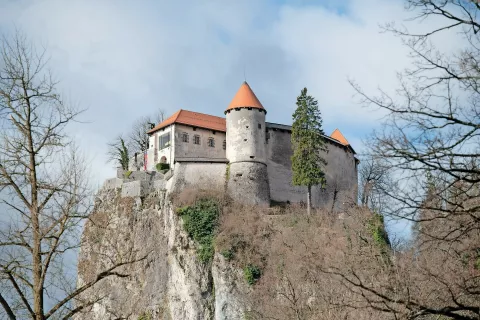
44 192
121 150
374 179
137 139
430 144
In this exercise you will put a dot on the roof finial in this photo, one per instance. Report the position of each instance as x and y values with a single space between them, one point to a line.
244 73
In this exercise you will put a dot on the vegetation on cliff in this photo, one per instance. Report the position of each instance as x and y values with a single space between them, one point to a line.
200 220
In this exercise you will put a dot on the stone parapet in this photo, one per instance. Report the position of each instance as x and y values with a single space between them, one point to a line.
135 188
112 183
168 175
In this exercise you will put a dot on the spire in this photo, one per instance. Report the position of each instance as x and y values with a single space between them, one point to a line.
337 135
245 98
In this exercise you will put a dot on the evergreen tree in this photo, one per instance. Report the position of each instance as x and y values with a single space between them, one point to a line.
307 142
118 153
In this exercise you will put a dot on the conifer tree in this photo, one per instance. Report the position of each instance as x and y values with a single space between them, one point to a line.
118 153
307 142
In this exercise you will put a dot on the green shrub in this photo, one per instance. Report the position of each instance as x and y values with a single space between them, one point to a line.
127 174
247 316
474 256
377 230
252 273
228 254
162 166
200 222
145 316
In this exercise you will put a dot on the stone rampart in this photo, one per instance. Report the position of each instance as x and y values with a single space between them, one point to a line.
135 188
112 183
208 176
248 183
341 173
251 182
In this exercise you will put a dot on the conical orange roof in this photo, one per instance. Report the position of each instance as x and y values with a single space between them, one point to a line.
337 135
245 98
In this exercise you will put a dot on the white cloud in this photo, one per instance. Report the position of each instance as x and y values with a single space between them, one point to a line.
123 59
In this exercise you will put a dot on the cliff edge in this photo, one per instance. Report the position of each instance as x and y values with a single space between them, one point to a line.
169 283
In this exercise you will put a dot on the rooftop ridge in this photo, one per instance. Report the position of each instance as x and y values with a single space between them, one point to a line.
194 119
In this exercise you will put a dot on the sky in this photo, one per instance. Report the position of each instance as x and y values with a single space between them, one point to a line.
124 59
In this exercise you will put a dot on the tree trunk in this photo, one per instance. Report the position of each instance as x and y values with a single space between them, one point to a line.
34 214
309 199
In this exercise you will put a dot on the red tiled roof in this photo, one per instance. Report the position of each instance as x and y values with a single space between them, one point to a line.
194 119
245 98
337 135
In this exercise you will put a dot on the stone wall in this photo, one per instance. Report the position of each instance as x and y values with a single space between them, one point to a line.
138 183
208 176
202 150
252 183
248 183
113 183
155 154
341 173
246 135
135 188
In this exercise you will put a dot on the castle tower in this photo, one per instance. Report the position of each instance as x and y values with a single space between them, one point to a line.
246 149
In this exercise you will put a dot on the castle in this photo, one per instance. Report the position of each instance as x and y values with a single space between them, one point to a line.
245 154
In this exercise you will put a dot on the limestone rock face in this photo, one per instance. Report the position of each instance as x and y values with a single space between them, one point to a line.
228 291
170 283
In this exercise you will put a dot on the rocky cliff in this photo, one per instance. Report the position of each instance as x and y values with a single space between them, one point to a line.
196 254
169 281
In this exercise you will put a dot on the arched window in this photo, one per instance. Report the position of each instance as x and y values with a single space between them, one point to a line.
163 159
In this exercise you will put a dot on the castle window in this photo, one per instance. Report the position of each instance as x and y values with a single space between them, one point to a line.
259 126
164 141
211 142
224 144
194 129
185 137
213 132
196 139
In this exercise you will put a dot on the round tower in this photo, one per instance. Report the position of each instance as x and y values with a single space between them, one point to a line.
246 149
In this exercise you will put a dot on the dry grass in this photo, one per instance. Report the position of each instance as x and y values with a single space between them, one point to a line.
189 196
291 249
333 266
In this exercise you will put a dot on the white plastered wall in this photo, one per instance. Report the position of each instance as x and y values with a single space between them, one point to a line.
154 151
